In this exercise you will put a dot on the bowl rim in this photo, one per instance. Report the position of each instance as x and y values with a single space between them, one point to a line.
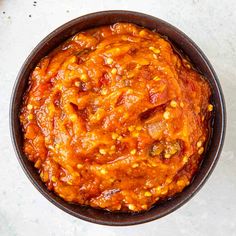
27 62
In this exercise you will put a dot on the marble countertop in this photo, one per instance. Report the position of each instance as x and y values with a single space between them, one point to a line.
211 24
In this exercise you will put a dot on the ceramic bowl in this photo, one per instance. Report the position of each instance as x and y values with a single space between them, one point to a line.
184 44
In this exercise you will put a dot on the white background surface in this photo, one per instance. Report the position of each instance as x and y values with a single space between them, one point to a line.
211 24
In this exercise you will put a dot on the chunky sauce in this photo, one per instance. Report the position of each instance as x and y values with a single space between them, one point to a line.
115 119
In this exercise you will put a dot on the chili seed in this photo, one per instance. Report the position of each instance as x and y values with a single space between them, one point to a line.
173 103
104 91
102 151
30 117
54 179
158 189
144 207
135 165
84 77
131 207
133 151
114 71
201 150
73 117
167 155
185 159
147 194
142 33
131 128
29 107
210 107
166 115
156 78
114 135
109 61
126 115
77 83
37 163
154 56
155 50
199 144
135 134
103 171
79 166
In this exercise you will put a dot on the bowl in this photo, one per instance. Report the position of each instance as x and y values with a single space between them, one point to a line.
180 41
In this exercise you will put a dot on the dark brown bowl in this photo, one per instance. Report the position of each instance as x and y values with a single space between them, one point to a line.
183 43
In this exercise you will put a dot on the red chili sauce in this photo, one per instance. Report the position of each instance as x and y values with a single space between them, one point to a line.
114 118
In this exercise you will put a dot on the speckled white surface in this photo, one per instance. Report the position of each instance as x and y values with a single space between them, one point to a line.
211 24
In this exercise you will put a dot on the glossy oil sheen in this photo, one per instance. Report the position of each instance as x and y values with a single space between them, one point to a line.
180 41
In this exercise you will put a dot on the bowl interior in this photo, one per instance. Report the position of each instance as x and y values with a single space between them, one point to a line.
182 42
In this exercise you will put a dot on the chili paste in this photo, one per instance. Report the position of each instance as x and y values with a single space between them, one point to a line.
114 118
